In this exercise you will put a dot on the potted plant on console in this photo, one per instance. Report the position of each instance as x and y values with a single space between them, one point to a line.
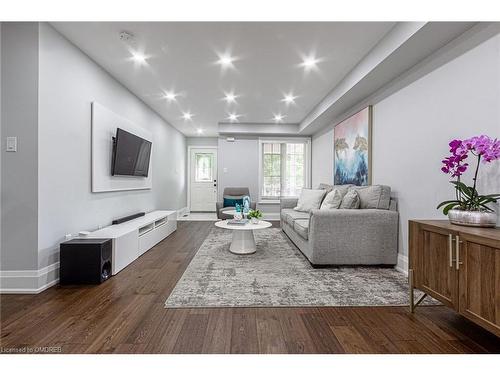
469 207
254 216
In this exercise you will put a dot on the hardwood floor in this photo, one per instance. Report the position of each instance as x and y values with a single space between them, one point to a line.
126 315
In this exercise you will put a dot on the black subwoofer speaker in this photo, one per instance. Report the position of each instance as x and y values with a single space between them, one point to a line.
85 261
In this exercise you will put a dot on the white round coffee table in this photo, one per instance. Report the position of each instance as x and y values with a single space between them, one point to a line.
230 211
243 240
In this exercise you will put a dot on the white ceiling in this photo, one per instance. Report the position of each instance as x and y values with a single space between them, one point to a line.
182 57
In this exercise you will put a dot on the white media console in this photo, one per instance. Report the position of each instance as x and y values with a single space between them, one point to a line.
133 238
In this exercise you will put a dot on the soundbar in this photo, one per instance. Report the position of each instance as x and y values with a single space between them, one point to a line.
127 218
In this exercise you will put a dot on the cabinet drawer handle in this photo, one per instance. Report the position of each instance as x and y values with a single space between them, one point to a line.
450 248
457 254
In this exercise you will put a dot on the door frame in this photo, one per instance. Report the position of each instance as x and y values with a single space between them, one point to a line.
188 176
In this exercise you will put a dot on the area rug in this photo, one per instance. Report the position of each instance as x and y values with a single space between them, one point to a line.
277 274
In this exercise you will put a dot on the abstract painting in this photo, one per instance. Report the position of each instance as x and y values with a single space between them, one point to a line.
352 149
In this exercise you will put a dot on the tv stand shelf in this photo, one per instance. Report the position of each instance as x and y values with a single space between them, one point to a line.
133 238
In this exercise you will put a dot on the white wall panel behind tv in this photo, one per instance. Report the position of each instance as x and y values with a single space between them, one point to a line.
104 125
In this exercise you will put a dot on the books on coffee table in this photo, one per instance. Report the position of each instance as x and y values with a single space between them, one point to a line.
237 222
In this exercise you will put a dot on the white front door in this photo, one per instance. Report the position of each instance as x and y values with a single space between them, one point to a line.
203 179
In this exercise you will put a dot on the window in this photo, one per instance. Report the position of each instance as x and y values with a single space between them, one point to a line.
284 168
203 168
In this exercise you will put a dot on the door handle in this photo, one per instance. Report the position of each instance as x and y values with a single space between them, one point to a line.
457 252
450 249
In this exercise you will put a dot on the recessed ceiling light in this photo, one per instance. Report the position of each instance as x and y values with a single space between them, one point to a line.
199 131
230 97
289 98
309 62
226 61
139 57
278 117
170 96
233 117
187 116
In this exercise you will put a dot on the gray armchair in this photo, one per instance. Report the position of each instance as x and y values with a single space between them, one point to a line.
232 193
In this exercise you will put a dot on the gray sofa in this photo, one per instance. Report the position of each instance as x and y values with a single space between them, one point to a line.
232 193
364 236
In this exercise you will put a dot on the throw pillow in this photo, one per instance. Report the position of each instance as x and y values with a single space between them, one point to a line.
332 200
343 188
231 202
374 196
310 199
369 196
350 200
326 187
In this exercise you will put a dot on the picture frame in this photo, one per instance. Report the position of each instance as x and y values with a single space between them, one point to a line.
352 149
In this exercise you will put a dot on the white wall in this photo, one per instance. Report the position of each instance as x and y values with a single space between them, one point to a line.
19 116
68 82
238 165
412 127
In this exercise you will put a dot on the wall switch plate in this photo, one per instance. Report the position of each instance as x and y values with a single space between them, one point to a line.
11 144
224 170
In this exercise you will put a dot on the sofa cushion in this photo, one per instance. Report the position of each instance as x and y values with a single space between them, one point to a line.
284 212
289 215
350 200
294 215
326 187
374 196
385 198
301 226
310 199
332 200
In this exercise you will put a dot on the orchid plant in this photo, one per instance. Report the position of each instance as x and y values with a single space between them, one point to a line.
485 150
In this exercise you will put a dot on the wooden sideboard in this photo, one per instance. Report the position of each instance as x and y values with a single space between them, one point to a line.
459 266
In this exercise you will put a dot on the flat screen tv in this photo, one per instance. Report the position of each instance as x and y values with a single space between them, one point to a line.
130 155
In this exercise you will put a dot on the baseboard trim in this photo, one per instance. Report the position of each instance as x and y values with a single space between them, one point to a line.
182 211
29 281
402 265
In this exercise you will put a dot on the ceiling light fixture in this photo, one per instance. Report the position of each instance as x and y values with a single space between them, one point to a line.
139 57
309 62
170 96
225 61
230 97
233 117
199 131
289 98
187 116
278 117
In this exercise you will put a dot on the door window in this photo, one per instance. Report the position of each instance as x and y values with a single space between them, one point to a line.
203 167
